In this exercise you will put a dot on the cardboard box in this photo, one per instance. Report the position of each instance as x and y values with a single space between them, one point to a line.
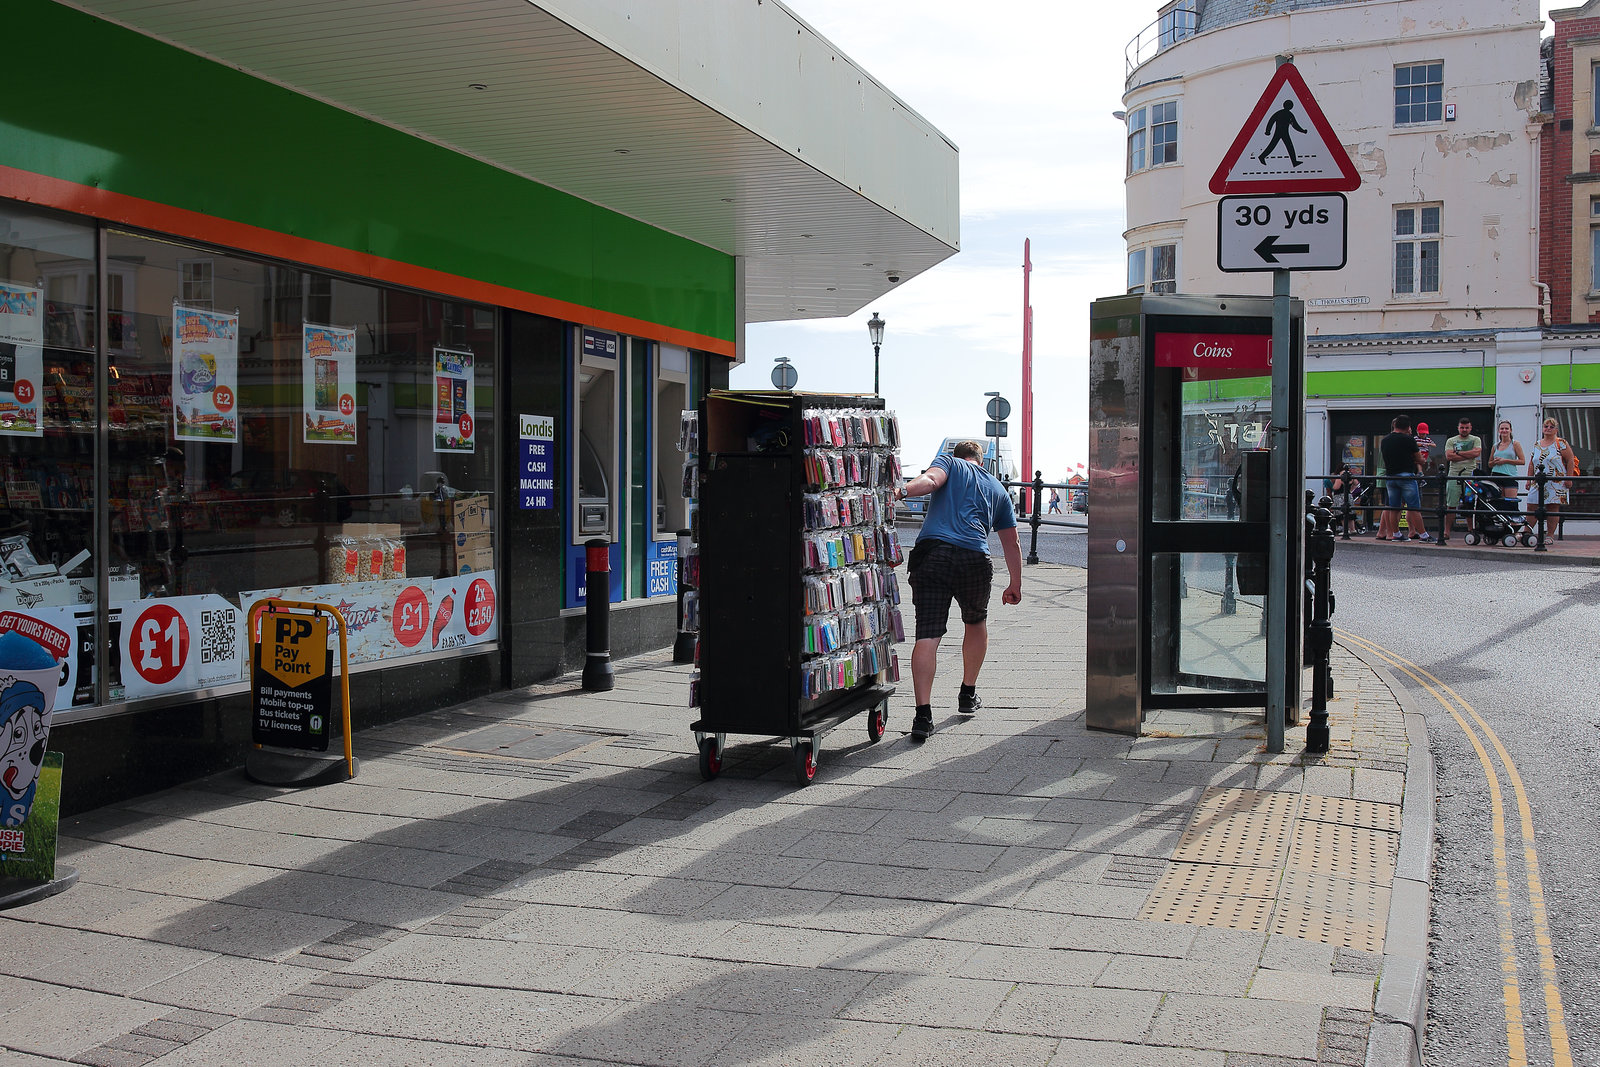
56 592
470 514
469 541
473 560
360 530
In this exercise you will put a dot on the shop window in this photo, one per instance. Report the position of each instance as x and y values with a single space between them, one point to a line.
671 399
47 421
1418 93
596 432
1417 235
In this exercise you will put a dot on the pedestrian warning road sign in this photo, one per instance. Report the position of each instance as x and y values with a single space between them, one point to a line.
1286 146
291 683
1293 231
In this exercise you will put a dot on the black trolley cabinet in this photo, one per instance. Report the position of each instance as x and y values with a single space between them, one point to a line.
752 481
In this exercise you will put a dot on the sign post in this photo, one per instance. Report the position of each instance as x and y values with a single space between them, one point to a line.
1288 222
291 693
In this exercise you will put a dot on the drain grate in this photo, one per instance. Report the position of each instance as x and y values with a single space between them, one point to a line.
1349 812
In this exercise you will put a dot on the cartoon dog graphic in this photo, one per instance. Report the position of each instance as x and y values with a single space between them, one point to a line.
26 722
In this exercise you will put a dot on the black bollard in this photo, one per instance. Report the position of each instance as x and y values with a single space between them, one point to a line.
683 647
1539 514
1038 507
597 676
1321 546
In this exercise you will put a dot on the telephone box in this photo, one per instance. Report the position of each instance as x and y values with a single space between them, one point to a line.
1180 447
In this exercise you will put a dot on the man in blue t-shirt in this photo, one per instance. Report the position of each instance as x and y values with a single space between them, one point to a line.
951 561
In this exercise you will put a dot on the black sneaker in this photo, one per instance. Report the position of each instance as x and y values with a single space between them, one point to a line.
921 726
968 705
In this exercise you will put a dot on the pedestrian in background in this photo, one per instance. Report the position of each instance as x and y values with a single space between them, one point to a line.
1552 455
1461 454
1508 460
1401 464
951 561
1055 502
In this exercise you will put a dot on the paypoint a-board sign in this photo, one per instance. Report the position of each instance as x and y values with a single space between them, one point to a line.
291 682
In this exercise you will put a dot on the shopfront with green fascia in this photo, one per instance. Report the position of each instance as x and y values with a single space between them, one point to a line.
243 359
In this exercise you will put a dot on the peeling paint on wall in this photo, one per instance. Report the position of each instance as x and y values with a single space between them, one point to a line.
1483 142
1503 183
1369 159
1526 95
1440 322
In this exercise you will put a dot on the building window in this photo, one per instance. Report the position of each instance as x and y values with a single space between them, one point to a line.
1418 93
672 398
1164 133
1176 22
1417 230
1164 269
1161 263
1137 135
1594 87
195 282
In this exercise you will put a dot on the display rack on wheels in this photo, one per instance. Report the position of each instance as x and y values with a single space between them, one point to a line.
798 596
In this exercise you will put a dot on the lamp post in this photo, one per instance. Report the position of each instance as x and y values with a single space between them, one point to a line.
875 331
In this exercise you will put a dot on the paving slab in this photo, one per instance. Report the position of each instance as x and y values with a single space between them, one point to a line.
582 897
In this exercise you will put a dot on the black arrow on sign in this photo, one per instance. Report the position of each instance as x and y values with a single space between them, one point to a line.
1269 249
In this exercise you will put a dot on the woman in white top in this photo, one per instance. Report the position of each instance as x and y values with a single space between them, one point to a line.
1552 455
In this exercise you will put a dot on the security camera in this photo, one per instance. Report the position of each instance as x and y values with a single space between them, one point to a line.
893 277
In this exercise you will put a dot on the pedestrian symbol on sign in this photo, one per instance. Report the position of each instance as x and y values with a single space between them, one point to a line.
1278 126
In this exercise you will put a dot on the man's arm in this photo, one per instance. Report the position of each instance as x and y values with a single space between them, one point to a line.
1013 551
926 482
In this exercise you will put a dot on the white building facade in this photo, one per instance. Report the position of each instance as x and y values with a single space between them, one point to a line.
1437 312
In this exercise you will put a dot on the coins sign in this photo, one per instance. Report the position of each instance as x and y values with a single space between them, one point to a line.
160 644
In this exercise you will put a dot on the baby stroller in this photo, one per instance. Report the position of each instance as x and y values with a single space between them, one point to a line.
1490 516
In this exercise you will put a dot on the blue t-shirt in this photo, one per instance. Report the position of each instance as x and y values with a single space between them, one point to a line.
969 504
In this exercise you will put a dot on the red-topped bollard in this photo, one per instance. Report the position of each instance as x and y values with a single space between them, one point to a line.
597 676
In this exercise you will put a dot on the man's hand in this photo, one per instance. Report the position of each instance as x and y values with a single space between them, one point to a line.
1012 595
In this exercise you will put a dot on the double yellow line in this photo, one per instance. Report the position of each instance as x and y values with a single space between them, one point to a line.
1460 711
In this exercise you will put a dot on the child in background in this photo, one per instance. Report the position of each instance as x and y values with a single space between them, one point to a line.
1424 445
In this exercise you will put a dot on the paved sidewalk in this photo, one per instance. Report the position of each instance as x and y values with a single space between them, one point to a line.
542 878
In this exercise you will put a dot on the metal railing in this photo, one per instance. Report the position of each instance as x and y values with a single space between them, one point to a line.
1166 31
1481 504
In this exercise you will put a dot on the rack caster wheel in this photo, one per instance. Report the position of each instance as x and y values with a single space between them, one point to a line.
805 765
877 721
710 759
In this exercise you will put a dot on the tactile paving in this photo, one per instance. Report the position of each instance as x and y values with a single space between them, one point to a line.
1247 801
1246 839
1336 896
1341 931
1351 852
1189 878
1210 909
1349 812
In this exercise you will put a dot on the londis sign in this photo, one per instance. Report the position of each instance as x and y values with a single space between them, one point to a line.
291 684
1205 357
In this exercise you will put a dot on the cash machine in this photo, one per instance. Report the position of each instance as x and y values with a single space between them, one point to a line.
1180 449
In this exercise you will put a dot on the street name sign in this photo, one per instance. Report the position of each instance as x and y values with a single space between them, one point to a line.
1286 146
1283 232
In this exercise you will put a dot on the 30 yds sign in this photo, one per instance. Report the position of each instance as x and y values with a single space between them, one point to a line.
291 683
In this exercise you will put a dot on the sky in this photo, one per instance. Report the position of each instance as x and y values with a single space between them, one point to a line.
1026 93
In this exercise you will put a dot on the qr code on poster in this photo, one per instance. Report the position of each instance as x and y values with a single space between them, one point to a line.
219 632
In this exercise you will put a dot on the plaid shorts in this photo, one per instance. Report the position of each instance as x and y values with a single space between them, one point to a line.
940 572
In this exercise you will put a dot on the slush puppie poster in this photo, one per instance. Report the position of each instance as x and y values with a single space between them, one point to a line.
21 359
205 374
329 370
454 426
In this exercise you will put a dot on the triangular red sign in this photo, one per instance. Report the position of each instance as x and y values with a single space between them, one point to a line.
1286 146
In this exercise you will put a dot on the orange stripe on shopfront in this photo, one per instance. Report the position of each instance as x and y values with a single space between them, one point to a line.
152 215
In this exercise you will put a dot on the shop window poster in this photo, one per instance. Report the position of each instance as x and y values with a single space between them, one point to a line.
329 370
21 359
454 400
205 374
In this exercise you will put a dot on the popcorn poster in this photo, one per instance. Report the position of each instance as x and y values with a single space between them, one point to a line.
454 400
21 359
329 369
205 374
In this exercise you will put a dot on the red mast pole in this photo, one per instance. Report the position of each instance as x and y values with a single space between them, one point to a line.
1026 474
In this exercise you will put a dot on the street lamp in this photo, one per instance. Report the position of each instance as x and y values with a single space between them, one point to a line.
875 331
